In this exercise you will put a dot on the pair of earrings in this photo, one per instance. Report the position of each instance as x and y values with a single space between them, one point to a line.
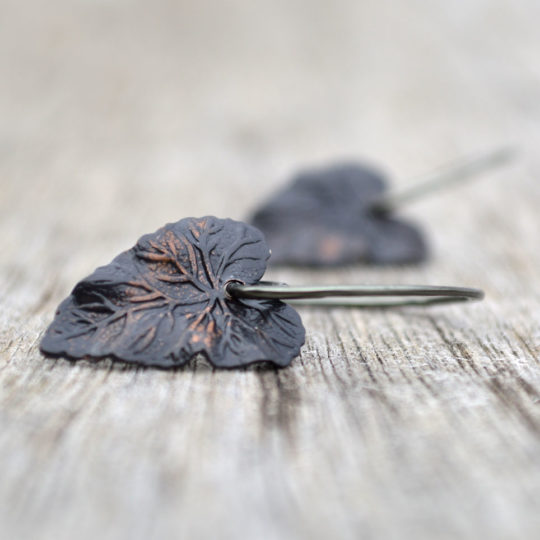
194 286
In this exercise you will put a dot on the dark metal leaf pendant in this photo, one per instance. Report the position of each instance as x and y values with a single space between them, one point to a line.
164 301
325 217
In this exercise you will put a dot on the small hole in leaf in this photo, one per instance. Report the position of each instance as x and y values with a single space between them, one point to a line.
228 287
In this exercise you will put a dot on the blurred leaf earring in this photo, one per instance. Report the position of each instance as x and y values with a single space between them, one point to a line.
193 287
343 214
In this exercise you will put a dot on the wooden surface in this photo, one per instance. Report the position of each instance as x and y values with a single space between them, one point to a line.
119 116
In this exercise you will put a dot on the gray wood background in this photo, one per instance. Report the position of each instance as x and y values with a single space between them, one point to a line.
118 116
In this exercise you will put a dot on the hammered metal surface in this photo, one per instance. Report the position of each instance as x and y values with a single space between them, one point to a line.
324 218
164 301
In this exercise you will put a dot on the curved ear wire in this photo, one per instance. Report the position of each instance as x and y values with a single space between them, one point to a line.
375 296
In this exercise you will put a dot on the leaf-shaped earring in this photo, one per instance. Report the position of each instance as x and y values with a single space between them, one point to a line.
193 287
343 214
164 301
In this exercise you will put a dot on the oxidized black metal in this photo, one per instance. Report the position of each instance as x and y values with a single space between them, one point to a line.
164 301
326 217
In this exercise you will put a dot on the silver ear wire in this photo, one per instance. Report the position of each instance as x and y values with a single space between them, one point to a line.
375 296
445 177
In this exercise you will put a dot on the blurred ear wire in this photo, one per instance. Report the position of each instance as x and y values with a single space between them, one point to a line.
446 177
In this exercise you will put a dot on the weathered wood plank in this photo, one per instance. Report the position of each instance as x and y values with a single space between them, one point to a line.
118 117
